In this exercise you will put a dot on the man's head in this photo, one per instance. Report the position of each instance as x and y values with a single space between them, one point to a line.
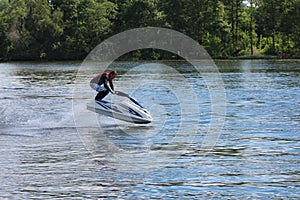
113 74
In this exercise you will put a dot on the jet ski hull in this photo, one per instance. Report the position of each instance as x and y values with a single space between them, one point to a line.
125 111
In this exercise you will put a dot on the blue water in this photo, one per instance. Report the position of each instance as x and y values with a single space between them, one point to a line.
44 154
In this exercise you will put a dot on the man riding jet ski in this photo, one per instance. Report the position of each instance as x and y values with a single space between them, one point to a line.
128 110
103 84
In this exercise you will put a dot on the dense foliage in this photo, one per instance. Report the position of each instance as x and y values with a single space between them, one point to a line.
70 29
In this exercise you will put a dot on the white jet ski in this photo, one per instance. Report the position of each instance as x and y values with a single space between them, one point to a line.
128 110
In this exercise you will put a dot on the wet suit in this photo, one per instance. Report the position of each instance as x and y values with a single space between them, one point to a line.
105 89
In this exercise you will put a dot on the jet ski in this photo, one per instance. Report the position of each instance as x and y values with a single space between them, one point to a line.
128 110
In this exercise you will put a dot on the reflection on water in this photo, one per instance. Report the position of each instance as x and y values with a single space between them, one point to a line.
256 156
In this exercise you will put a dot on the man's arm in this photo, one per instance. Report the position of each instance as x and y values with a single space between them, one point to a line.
108 85
111 85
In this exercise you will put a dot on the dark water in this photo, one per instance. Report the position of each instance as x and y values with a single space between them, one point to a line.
42 155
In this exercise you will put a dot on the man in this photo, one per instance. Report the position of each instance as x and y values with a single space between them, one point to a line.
103 84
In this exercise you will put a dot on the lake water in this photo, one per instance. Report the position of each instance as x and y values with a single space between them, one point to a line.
46 153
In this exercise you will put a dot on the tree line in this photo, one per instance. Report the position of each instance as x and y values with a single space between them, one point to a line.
70 29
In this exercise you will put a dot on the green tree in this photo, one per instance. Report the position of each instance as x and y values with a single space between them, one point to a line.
203 20
215 28
70 29
44 27
33 29
290 27
86 24
138 13
4 27
234 10
269 16
251 25
17 34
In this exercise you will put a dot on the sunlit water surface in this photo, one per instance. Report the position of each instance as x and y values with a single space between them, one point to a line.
256 156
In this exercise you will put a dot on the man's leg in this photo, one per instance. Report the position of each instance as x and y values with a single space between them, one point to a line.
101 95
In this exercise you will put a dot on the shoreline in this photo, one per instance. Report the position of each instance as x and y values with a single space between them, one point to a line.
255 57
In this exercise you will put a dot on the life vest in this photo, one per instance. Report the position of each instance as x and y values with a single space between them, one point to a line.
110 87
107 74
